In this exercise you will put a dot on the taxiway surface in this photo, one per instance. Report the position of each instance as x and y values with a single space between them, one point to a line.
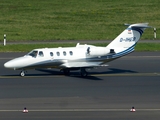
108 93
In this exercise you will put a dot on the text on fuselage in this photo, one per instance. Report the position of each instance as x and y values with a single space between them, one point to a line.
128 39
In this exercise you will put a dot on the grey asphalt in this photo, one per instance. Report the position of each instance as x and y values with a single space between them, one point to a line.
73 41
108 93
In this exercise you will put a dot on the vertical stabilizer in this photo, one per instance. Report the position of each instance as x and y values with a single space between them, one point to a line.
127 40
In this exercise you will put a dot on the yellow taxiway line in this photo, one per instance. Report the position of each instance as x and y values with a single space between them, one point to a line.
95 75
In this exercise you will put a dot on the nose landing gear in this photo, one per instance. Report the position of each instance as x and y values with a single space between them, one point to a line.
22 73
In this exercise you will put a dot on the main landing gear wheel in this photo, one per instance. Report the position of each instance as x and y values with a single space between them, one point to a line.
22 73
83 72
66 72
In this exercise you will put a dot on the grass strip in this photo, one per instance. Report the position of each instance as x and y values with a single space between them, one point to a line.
23 20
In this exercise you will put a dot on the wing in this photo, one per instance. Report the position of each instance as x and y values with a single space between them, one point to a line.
82 64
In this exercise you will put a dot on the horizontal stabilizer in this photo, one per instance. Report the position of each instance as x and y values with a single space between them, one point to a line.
138 25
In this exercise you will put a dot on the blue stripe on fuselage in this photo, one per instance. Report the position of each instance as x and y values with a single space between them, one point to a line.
127 51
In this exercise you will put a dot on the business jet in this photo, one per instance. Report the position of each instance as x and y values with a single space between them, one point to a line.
80 57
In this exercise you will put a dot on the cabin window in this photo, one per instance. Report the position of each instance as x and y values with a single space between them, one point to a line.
58 53
64 53
33 53
41 54
70 52
51 53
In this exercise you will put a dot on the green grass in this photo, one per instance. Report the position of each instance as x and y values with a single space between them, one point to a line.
29 47
33 20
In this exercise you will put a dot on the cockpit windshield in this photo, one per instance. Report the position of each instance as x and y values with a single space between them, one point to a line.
33 53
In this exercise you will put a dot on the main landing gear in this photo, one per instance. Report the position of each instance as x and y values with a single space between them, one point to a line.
66 72
83 72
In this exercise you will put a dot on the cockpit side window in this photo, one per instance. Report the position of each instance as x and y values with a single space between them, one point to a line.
33 53
41 54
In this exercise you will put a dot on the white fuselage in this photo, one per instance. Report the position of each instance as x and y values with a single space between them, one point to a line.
69 57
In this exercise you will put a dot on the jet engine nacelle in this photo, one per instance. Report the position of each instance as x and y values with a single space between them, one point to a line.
98 51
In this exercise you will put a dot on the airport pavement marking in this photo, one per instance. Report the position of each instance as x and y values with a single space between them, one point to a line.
96 75
30 76
132 74
80 110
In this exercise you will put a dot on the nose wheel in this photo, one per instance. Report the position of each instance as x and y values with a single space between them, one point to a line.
22 73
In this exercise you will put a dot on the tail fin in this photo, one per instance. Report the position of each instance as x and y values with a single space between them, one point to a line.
127 40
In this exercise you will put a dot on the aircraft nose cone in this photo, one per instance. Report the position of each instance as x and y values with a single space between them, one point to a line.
16 63
10 64
7 65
